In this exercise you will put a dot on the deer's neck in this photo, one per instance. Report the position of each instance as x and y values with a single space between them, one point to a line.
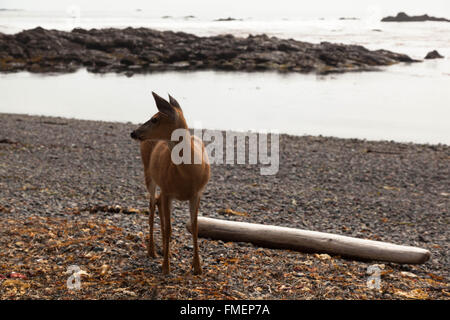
184 138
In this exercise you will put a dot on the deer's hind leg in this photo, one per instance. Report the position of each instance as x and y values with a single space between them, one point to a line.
193 208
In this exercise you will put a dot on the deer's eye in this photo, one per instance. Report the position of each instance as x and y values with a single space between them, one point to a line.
154 120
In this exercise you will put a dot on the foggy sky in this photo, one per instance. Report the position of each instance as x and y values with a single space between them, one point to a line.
246 8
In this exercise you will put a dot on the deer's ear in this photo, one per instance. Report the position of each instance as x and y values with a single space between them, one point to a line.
164 107
174 102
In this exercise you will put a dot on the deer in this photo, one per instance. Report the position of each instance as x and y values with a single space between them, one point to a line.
183 181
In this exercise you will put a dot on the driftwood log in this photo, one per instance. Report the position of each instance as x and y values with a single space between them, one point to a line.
308 241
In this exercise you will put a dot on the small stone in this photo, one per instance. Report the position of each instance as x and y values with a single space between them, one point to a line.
181 64
408 274
433 55
104 269
323 256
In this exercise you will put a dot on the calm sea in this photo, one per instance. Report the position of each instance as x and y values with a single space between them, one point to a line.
404 102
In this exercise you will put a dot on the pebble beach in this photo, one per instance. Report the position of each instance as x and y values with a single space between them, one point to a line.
72 193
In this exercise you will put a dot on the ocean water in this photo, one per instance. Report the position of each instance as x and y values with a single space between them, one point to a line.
404 102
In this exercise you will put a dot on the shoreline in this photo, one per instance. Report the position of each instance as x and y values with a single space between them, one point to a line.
143 50
425 144
73 190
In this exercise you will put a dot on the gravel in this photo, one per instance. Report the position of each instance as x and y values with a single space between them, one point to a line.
77 186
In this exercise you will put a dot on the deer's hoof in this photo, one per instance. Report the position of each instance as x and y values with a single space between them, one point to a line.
166 271
197 269
151 250
152 253
198 272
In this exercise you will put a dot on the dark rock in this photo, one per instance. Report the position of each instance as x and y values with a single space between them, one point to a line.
228 19
433 55
128 61
403 17
140 50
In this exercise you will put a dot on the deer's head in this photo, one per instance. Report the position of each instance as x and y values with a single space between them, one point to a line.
162 124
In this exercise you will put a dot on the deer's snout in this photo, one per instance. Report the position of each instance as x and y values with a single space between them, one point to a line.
134 135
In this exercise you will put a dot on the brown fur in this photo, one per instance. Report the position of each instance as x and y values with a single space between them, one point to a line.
184 182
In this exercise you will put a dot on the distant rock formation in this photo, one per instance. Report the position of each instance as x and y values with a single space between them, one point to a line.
141 50
433 55
228 19
403 17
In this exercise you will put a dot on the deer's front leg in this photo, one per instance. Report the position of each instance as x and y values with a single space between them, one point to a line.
165 206
151 244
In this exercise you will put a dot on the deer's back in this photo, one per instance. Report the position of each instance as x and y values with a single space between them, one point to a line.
180 181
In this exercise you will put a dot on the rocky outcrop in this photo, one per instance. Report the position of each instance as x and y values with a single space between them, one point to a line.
228 19
403 17
433 55
139 50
